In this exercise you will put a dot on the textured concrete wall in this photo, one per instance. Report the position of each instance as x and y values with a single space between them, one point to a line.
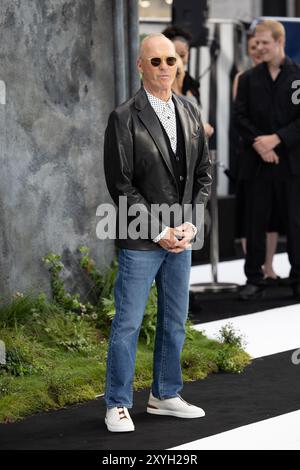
56 61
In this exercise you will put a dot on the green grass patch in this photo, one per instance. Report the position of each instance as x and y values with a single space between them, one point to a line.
45 373
56 350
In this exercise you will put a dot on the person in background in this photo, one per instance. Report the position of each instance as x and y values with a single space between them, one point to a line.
177 87
255 57
268 119
181 40
275 224
189 85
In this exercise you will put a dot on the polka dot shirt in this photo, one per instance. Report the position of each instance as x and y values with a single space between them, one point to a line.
165 112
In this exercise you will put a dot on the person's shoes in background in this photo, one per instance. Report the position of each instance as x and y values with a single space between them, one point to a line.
272 281
296 291
251 292
173 407
118 420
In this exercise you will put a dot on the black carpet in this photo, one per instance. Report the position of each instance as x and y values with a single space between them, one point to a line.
206 307
269 387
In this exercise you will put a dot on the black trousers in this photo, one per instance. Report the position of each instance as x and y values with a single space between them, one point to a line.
261 195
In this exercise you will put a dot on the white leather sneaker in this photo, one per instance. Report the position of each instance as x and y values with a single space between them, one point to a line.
173 407
118 420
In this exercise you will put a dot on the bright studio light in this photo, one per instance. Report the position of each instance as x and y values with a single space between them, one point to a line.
145 3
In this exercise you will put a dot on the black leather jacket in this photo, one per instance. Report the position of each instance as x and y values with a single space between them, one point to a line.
137 162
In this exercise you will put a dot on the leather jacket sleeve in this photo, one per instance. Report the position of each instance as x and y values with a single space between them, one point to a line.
202 176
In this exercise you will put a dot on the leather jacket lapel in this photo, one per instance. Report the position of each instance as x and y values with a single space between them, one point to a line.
151 122
186 128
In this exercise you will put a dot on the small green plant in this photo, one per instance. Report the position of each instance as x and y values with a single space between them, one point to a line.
103 289
228 335
70 332
60 295
57 386
103 281
231 359
21 352
18 362
6 384
19 309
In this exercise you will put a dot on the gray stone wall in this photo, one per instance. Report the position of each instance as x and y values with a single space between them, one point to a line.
56 60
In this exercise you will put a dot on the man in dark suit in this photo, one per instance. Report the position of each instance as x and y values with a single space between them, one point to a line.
154 153
268 119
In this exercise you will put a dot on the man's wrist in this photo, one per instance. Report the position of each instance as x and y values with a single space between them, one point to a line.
161 235
193 227
277 138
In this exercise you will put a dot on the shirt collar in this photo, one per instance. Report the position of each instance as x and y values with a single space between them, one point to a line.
157 102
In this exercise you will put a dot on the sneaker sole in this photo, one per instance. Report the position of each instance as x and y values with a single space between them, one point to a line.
177 414
117 428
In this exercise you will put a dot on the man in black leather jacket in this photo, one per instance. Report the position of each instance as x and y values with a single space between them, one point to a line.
155 153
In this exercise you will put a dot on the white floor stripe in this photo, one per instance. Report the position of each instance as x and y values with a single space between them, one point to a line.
280 433
265 333
233 271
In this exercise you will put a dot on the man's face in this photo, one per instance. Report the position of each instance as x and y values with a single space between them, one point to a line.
267 47
157 78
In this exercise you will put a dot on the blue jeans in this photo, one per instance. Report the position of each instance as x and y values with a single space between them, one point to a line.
137 271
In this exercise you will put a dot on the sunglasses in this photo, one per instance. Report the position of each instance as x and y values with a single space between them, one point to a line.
156 61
